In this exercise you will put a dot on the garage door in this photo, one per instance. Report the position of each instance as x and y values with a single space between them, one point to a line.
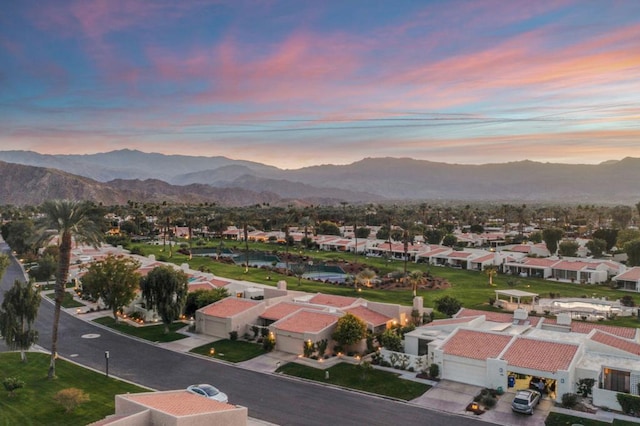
216 328
292 345
459 371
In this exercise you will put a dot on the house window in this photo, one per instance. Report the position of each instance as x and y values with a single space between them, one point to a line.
616 380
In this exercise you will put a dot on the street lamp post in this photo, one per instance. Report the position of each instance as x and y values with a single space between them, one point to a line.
106 358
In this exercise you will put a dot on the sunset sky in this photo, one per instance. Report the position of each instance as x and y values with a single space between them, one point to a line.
299 83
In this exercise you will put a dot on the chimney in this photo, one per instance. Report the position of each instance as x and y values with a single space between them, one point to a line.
418 304
282 285
520 314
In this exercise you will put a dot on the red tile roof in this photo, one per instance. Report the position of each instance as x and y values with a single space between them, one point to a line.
494 316
369 316
306 321
179 403
476 344
540 355
199 286
280 310
541 262
484 258
448 321
332 300
229 307
632 274
587 327
567 265
460 254
616 342
218 282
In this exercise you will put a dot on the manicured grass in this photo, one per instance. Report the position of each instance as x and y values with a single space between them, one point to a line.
34 404
232 351
470 287
354 377
558 419
68 301
153 333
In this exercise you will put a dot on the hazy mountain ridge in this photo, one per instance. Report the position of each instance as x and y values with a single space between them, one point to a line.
237 182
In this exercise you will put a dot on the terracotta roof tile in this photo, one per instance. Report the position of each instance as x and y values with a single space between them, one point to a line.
616 342
178 403
542 262
632 274
280 310
332 300
199 286
587 327
307 321
459 254
476 344
369 316
540 355
567 265
484 258
229 307
494 316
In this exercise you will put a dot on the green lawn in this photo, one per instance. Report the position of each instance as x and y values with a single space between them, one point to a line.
232 351
34 404
353 377
153 333
68 301
558 419
470 287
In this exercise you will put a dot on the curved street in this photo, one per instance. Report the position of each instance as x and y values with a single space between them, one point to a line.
269 397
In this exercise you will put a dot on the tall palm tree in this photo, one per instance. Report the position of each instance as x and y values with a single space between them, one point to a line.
67 221
415 278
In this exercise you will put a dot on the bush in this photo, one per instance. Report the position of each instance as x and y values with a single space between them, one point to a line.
268 343
233 336
434 371
11 384
585 386
70 398
569 400
630 403
489 401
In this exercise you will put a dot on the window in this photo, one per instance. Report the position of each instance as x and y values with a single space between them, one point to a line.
616 380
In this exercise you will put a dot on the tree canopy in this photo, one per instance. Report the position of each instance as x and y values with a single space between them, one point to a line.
551 237
349 330
448 305
114 280
165 291
18 313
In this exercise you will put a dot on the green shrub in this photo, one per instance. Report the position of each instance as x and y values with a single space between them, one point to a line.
11 384
585 386
569 400
233 336
434 371
489 401
630 403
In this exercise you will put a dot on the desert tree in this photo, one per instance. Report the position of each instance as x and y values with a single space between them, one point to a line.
165 291
491 271
114 280
65 221
415 278
18 313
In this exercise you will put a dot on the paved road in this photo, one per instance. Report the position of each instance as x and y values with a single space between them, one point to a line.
269 397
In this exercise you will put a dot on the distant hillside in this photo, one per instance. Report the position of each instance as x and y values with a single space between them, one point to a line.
368 180
27 185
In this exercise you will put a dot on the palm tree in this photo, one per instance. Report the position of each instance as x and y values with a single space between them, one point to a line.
365 276
415 278
67 221
491 271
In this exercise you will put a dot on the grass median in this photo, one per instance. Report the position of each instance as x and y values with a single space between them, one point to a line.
153 333
232 351
34 403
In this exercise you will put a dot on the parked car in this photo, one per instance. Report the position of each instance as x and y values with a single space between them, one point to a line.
208 391
525 401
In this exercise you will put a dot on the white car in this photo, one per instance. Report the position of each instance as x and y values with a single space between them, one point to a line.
525 401
208 391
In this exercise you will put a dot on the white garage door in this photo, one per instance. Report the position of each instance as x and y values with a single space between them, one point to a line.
292 345
460 371
216 328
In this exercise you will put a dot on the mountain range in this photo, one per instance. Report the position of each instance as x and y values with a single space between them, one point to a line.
118 176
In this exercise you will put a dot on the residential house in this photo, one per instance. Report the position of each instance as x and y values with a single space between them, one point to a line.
629 280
